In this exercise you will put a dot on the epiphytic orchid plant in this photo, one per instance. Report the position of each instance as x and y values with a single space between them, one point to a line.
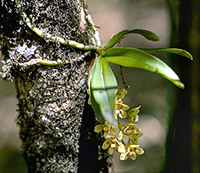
106 98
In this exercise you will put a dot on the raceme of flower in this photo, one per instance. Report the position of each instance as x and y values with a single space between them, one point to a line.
124 138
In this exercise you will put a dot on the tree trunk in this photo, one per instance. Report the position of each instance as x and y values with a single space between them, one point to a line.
184 135
52 98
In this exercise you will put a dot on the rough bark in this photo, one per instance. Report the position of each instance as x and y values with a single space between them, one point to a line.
51 98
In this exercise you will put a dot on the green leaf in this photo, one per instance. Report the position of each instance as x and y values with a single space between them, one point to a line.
132 57
117 37
96 108
95 105
170 50
103 86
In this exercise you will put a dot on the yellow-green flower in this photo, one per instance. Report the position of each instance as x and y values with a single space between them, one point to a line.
120 93
133 114
106 127
98 128
132 132
111 143
120 113
130 128
132 150
134 137
120 105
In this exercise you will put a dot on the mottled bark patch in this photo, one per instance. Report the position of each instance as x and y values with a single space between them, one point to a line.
51 98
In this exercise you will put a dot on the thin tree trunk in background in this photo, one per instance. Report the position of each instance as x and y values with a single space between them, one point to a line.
52 98
184 135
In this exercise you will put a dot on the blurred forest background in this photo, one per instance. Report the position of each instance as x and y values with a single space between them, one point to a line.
155 94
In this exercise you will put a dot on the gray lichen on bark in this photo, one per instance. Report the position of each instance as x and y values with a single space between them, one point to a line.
50 107
51 99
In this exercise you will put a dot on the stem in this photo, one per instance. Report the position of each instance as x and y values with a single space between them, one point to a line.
61 40
94 29
49 63
126 86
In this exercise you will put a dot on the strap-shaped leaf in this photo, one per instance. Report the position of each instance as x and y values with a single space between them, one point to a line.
96 109
95 105
117 37
170 50
132 57
103 86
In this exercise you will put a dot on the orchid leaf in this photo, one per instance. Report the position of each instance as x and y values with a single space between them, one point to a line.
132 57
117 37
103 86
170 50
95 105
